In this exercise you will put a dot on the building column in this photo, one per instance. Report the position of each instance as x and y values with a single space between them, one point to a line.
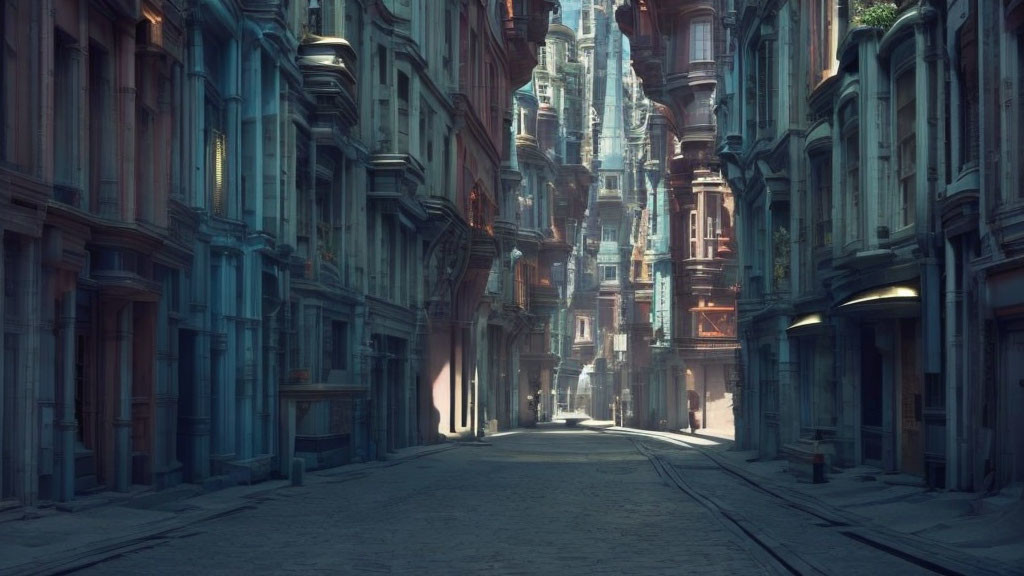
68 425
248 380
381 416
123 415
126 124
269 346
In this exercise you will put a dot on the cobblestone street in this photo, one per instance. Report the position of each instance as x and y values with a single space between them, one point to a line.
545 501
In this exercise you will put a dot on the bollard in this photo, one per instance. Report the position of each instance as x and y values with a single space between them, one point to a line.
298 471
818 461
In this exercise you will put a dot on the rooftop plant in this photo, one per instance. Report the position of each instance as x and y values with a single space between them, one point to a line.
875 13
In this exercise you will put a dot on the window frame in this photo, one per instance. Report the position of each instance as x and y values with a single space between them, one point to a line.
701 45
905 145
849 117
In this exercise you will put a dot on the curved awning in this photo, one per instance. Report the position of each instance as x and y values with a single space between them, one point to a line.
808 325
894 300
806 321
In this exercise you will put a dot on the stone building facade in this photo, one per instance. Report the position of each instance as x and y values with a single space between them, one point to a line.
238 233
876 214
688 261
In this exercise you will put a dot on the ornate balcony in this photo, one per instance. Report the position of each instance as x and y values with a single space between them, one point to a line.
525 26
329 73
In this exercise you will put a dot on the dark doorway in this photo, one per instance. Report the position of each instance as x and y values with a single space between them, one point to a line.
7 440
870 398
186 402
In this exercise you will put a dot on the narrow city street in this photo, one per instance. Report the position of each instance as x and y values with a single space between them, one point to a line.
552 500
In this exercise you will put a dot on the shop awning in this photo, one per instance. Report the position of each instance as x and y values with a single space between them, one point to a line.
806 321
896 300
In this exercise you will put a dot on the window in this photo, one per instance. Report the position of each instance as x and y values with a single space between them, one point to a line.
611 182
403 113
906 144
713 213
821 199
700 40
17 110
766 87
426 132
582 329
711 321
609 273
609 234
339 345
851 176
218 164
216 126
448 27
65 100
103 193
585 24
823 34
970 130
694 249
329 18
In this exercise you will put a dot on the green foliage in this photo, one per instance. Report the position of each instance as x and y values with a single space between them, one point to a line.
874 13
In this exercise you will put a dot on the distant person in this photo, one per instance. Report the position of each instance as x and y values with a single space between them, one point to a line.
693 399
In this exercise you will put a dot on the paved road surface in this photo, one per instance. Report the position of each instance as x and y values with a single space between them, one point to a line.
551 501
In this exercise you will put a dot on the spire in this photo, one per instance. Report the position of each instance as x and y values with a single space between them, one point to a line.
612 141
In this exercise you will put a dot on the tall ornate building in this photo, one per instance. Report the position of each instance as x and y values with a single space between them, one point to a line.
875 216
240 236
675 49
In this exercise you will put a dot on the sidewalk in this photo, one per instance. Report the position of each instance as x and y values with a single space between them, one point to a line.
960 531
47 540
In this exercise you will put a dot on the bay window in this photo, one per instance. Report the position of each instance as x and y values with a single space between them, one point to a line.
700 40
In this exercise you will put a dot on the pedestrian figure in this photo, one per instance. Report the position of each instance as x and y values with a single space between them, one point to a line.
693 400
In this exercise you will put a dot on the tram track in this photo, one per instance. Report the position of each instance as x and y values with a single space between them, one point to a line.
774 552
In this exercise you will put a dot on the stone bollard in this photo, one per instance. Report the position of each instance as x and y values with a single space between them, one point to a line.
298 471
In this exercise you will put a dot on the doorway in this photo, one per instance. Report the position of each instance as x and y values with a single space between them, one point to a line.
87 414
1013 375
870 398
7 416
911 408
186 403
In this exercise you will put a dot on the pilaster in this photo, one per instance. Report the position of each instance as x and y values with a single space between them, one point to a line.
123 403
67 424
